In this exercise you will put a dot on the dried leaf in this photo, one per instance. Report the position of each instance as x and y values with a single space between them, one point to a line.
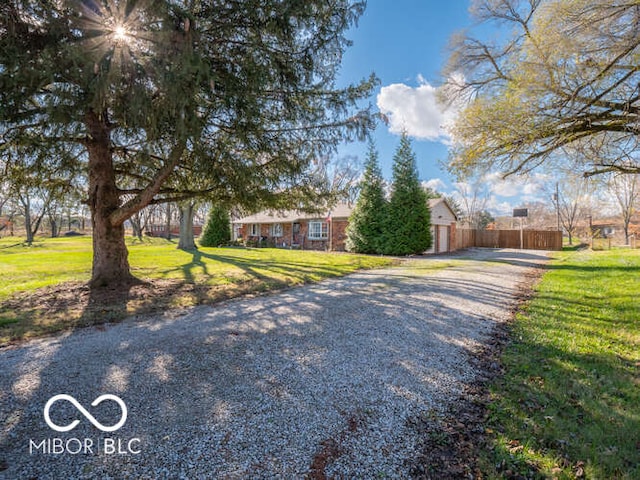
517 449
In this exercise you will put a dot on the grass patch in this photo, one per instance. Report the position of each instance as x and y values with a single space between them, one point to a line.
420 266
568 405
42 287
44 263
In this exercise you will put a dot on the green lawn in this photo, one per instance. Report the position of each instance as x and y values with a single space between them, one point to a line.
46 262
51 267
568 405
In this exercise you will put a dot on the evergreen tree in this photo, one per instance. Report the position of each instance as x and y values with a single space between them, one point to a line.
408 219
217 232
366 224
241 95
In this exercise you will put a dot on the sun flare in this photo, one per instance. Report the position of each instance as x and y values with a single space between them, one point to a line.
120 33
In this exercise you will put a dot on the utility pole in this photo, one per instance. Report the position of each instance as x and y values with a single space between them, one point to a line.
557 199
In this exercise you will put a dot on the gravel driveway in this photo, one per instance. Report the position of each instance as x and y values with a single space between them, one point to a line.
322 379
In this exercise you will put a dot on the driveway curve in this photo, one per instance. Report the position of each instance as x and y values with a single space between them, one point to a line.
318 380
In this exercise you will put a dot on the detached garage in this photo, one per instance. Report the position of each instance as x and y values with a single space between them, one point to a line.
443 226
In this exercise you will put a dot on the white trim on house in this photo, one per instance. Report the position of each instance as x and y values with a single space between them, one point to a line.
236 231
276 230
318 230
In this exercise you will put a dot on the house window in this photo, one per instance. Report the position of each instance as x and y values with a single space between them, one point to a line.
276 230
255 230
318 230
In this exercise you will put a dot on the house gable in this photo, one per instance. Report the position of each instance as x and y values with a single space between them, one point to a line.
441 212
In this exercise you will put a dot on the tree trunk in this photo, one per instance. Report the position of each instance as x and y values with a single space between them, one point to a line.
27 220
54 226
110 255
168 222
186 242
626 222
136 226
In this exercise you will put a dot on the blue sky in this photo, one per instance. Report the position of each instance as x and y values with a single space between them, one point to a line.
404 43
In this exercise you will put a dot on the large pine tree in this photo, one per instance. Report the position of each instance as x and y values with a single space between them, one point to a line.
240 94
366 224
408 219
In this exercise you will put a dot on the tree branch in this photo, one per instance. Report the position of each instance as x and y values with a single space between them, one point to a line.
146 196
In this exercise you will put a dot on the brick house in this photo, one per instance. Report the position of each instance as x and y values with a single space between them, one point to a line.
295 229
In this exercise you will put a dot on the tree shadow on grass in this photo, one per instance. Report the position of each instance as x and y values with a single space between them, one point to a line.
576 409
74 305
196 264
62 307
107 304
270 272
69 306
296 269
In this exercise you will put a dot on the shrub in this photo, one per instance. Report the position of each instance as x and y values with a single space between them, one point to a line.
218 230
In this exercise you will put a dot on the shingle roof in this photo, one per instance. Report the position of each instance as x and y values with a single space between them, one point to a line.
342 210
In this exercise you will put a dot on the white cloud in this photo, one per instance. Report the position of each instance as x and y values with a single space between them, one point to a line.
463 188
530 186
464 195
500 196
499 208
415 110
436 184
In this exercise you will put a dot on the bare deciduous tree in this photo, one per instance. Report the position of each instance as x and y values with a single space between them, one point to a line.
626 191
472 198
574 202
564 79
